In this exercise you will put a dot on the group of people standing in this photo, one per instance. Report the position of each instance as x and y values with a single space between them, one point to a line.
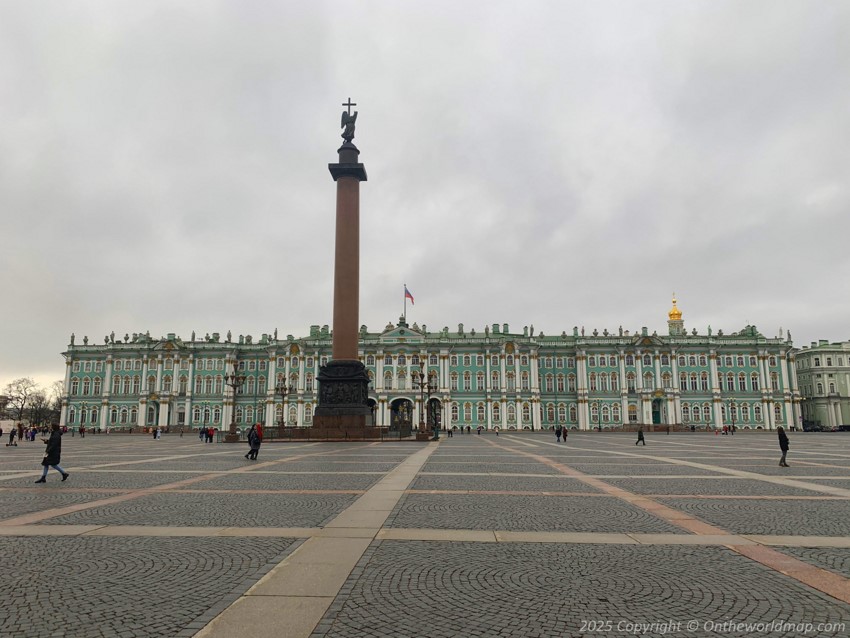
206 434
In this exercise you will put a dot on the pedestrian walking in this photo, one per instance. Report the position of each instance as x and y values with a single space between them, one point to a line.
254 441
564 434
12 433
558 434
640 438
52 454
202 433
783 445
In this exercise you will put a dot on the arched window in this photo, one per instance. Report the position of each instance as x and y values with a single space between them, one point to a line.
137 385
632 413
75 386
239 414
757 413
432 360
683 381
467 381
648 381
511 413
310 363
526 413
742 382
777 412
665 360
647 360
198 384
479 381
134 415
630 381
113 415
494 380
591 361
414 360
740 362
308 413
550 383
151 415
251 384
370 359
615 382
562 413
86 386
217 414
774 381
706 412
686 413
681 361
292 419
308 382
151 383
116 385
124 415
511 381
523 360
573 413
702 360
388 380
745 412
388 360
594 413
666 380
571 383
703 381
615 413
695 413
603 382
560 383
402 360
509 360
754 382
497 412
593 382
208 385
455 418
481 413
467 412
402 379
219 380
606 413
730 382
694 385
166 384
571 362
550 412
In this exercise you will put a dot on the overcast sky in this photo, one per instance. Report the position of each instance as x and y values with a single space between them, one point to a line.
163 166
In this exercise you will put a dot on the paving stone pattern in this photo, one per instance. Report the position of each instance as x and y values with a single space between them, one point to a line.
833 559
277 480
531 484
527 513
121 587
704 486
215 510
467 589
802 517
27 500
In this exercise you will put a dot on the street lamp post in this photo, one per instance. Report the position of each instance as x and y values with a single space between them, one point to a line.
426 386
732 411
284 391
233 380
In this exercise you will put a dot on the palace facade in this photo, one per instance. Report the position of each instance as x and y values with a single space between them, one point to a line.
824 370
494 379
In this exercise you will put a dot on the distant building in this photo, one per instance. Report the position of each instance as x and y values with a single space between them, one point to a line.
493 378
824 376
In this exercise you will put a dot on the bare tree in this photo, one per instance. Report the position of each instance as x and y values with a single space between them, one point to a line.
20 393
41 408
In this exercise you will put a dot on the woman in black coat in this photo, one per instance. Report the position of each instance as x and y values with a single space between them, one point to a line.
52 454
254 441
783 445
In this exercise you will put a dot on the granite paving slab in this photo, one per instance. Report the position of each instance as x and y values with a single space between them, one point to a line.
125 586
215 510
640 469
526 513
108 480
501 468
502 483
834 559
791 517
14 503
706 486
281 480
519 590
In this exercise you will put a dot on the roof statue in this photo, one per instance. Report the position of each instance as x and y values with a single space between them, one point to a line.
348 121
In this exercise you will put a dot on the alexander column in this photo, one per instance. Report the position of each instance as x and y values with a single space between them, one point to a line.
343 382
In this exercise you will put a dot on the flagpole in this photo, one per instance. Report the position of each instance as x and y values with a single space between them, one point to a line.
404 314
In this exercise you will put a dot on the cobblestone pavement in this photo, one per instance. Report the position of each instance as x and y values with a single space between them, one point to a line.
586 538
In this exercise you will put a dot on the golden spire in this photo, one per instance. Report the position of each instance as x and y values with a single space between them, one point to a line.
675 314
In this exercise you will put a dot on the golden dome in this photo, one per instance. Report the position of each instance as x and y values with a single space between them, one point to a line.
675 314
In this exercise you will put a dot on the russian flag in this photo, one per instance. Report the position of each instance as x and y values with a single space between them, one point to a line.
407 295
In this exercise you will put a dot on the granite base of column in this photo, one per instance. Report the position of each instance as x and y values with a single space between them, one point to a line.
343 412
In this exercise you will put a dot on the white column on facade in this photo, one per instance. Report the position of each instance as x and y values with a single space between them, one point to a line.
159 365
141 417
535 414
535 371
792 369
712 371
164 411
656 357
674 366
639 372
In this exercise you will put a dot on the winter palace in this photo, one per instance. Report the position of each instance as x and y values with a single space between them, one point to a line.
493 378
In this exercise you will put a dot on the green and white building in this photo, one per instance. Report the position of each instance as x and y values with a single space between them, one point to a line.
494 378
824 373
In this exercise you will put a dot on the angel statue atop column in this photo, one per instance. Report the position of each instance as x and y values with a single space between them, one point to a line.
348 121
